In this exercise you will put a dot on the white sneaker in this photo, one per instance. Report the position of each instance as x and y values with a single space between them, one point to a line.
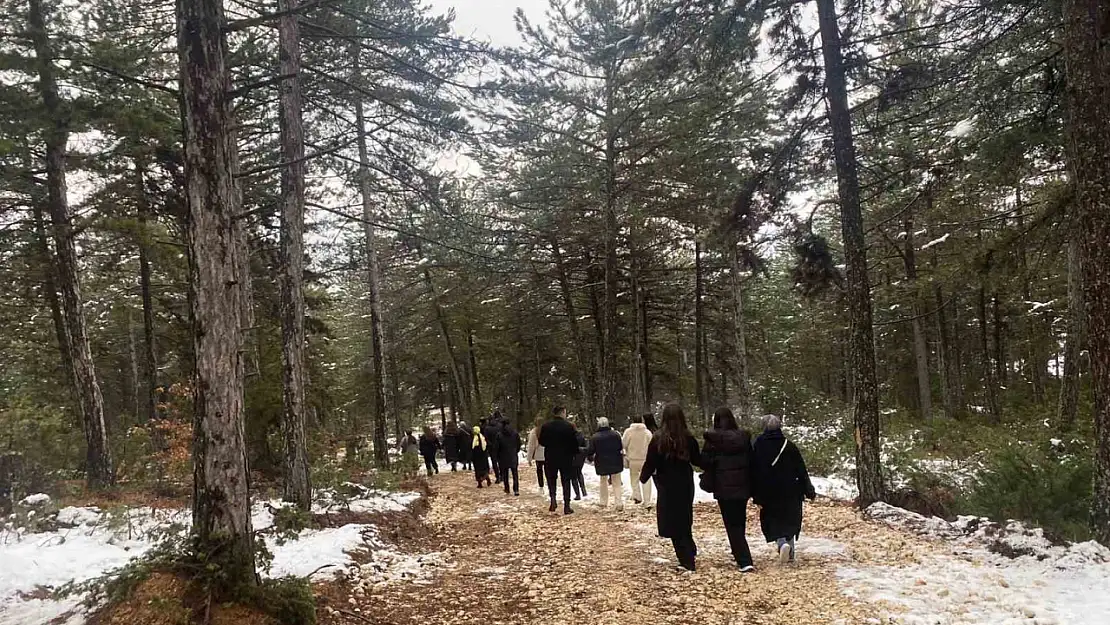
747 569
784 553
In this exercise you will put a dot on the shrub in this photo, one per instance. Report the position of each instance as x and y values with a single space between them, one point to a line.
1042 487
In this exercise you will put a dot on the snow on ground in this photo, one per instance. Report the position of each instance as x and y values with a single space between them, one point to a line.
90 542
969 580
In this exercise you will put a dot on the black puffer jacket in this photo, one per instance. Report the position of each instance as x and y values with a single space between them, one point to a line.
605 451
727 458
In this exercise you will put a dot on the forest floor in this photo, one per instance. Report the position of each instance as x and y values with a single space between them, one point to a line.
498 560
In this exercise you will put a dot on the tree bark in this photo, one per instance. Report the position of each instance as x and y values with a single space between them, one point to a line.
740 342
98 455
946 360
296 487
49 268
1068 404
585 371
611 233
221 497
374 275
1000 368
639 383
473 359
448 344
442 409
150 354
1087 99
920 341
865 395
699 336
988 369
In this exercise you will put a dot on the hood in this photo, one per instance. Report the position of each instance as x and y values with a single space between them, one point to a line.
729 441
637 426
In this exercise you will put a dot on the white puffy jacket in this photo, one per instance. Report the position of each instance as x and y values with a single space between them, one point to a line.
636 440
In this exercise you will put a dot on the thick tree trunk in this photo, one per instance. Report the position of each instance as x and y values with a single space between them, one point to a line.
946 361
98 456
442 403
1087 96
866 393
639 384
374 276
221 494
1068 404
612 234
585 370
740 342
296 486
920 340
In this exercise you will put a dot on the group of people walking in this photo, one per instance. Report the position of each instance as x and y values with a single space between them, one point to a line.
768 471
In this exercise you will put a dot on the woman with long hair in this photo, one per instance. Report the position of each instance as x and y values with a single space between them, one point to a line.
727 470
671 458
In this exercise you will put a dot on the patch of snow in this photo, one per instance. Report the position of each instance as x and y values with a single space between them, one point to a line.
937 241
963 128
835 488
37 499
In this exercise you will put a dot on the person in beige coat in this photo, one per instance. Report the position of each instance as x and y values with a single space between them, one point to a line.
636 440
535 452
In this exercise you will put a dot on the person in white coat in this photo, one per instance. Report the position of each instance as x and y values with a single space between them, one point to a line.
636 440
535 452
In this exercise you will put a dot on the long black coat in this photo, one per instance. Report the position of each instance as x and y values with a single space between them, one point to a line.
605 451
780 489
490 430
508 446
466 434
479 457
674 479
451 445
727 459
560 443
429 445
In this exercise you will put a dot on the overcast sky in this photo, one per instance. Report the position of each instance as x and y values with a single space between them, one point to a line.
490 20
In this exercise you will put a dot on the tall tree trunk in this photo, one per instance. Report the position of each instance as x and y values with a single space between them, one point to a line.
866 394
612 233
946 360
473 358
1068 404
133 361
1000 367
98 456
150 354
221 494
374 274
296 487
740 343
1087 96
448 345
645 348
442 410
49 268
699 335
988 369
639 384
920 341
585 370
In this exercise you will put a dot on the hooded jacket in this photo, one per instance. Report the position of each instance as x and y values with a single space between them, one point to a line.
636 440
535 449
727 458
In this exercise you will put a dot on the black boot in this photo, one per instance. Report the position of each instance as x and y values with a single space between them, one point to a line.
566 509
553 506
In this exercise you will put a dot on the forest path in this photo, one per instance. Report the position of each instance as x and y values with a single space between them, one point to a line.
503 559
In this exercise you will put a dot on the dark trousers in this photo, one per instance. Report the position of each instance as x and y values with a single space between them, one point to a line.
563 475
734 512
686 550
496 466
579 482
539 471
505 471
431 465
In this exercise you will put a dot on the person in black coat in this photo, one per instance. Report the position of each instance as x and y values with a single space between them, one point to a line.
606 451
649 422
451 445
560 445
508 456
465 436
491 427
479 455
577 479
671 458
429 445
726 465
781 483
